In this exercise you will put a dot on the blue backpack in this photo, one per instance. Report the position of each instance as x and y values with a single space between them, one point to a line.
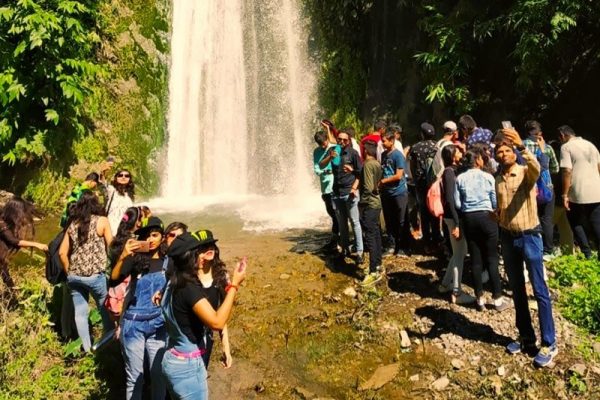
544 188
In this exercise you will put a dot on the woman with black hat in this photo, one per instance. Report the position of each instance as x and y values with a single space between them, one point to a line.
189 313
143 330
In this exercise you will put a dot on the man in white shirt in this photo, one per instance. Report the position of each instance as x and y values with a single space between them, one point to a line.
580 166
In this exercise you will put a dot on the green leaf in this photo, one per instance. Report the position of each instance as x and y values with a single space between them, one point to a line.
73 349
51 115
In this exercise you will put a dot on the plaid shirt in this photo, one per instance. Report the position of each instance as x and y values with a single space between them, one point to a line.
517 205
532 146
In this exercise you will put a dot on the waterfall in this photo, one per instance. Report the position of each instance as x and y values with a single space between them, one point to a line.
241 107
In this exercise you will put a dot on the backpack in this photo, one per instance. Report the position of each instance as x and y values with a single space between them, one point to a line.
55 273
434 198
543 185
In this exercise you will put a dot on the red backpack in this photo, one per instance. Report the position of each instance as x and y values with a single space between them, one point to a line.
115 298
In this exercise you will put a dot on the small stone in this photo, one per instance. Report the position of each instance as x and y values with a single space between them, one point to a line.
350 292
475 360
285 276
578 369
457 364
414 378
502 370
440 384
404 339
483 370
380 377
303 393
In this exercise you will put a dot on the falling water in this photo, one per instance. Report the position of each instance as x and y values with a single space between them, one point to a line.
240 110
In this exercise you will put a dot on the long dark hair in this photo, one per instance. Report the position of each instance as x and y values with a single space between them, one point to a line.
124 231
186 270
17 214
81 214
129 188
448 153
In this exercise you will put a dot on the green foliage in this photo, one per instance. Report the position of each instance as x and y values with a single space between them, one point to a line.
48 190
579 282
47 68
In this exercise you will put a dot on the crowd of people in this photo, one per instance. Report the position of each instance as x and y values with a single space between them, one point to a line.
161 291
494 197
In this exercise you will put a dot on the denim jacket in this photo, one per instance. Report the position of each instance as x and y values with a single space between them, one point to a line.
475 191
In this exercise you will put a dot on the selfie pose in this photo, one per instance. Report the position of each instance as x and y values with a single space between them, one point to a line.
189 312
143 332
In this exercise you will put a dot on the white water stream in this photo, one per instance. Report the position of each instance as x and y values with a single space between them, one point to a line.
241 107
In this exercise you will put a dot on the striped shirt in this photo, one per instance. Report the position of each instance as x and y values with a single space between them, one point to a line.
516 192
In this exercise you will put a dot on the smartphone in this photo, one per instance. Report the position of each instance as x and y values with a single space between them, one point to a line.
144 246
243 264
506 125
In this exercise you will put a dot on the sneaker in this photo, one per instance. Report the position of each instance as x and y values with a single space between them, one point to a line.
545 355
548 257
371 279
463 298
502 305
485 276
388 252
480 304
517 347
359 259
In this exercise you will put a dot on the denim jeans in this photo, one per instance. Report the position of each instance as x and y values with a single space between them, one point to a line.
459 251
346 207
140 339
528 248
81 287
330 207
186 377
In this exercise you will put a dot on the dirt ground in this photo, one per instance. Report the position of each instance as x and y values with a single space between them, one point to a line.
304 329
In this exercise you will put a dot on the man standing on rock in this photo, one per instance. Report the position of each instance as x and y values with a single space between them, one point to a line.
347 166
521 237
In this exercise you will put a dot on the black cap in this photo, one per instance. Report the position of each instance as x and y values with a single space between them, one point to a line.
148 224
189 241
427 129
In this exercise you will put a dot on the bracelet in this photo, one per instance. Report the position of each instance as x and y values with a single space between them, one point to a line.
231 286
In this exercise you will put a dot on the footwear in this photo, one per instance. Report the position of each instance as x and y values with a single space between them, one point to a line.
485 276
388 252
462 298
517 347
548 257
371 279
480 304
358 259
444 289
400 253
545 355
501 305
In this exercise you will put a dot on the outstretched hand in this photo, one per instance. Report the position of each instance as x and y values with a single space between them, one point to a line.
513 136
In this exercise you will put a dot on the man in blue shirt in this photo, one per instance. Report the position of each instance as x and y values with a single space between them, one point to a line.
394 194
325 175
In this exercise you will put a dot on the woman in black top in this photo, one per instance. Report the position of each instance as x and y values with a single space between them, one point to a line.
451 156
16 223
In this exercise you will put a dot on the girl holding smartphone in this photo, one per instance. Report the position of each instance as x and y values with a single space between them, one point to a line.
143 332
190 311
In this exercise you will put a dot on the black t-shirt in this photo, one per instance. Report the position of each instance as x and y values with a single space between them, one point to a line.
184 300
131 267
343 181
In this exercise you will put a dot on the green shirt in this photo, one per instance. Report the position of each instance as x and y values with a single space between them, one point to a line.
369 184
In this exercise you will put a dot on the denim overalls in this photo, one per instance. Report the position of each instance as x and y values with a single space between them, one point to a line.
182 364
143 332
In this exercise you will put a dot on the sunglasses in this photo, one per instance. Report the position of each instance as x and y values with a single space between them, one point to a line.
123 175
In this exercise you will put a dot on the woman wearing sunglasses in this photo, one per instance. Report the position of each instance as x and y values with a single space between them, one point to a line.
120 195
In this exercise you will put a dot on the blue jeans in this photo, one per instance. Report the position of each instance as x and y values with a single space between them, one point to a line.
81 287
346 207
186 377
141 339
528 248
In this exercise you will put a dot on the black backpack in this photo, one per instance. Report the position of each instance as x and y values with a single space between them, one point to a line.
54 268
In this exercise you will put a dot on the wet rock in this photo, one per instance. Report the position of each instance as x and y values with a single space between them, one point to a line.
578 369
502 370
404 339
414 378
457 364
350 292
285 276
380 377
303 393
440 384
